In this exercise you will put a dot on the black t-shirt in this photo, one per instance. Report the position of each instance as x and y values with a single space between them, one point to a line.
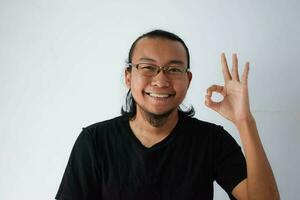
109 163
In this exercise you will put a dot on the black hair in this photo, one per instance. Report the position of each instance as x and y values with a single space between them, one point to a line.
163 35
130 104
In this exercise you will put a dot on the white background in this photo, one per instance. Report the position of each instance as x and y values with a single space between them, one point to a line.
62 62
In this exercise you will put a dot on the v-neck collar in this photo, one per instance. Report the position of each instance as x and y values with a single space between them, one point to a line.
159 144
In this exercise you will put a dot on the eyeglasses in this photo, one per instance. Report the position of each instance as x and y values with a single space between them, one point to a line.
150 70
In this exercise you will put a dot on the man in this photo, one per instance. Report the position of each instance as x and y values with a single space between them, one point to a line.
155 150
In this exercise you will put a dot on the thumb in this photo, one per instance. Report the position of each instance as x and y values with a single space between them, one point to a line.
211 104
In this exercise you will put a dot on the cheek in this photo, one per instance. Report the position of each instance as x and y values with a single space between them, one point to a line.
181 87
181 92
137 84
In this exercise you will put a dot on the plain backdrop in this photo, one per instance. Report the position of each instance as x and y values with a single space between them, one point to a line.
62 68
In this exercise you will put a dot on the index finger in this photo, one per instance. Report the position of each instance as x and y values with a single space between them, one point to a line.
225 69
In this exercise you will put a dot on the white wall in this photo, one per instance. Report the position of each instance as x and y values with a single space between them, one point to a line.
61 68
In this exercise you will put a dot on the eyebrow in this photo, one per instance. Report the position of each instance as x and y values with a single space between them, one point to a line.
146 59
170 62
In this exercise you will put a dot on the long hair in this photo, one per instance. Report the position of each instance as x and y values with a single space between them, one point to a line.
129 110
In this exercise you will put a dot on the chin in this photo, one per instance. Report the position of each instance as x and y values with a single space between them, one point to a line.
160 112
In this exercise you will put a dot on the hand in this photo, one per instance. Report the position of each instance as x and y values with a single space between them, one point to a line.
235 104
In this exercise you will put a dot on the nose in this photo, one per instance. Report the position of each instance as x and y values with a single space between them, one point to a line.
160 80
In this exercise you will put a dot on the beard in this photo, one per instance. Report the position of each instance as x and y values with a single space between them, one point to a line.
156 120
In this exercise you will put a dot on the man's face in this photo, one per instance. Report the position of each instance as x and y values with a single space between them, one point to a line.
159 94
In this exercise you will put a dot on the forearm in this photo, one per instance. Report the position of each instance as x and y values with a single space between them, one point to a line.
261 183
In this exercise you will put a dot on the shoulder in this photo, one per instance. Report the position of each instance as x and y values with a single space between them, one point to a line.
196 125
106 123
205 130
104 128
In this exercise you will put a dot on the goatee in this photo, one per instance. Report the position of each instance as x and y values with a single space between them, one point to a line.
156 120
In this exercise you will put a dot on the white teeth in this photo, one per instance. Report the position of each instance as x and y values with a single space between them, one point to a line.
159 95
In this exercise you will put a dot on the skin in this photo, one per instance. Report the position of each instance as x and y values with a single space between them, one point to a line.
161 52
260 182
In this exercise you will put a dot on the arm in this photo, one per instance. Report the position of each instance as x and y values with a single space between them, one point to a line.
81 176
260 182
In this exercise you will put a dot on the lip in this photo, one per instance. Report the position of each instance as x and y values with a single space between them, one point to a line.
160 97
160 94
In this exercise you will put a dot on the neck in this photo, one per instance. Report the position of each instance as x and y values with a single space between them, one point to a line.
150 133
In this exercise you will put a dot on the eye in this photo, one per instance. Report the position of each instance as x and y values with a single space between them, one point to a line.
147 67
176 70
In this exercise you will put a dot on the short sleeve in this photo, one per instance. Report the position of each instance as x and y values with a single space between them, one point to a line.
230 164
81 176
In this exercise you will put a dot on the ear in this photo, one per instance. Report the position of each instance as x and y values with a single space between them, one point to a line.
128 78
190 76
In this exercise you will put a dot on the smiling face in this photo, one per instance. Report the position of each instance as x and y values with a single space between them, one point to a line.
160 94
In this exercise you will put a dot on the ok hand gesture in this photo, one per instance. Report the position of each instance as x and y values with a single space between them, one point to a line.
235 104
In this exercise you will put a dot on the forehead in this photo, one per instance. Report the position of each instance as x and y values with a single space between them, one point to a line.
159 49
